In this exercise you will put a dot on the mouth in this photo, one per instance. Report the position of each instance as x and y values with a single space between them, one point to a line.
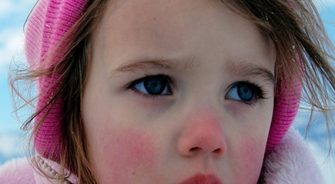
202 179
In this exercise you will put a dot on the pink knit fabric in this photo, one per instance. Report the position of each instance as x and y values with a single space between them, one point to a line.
48 23
285 109
46 26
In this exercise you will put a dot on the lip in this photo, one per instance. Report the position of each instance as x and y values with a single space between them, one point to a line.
202 179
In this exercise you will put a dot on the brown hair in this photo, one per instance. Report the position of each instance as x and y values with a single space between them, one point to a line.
294 27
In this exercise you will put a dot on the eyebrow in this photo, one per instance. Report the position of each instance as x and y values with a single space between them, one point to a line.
166 64
249 69
246 69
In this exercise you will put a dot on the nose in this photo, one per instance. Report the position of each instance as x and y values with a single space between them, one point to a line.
202 134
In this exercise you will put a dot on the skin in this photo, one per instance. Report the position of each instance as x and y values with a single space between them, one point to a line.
197 129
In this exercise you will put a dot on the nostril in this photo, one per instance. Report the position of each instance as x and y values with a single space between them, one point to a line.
218 151
195 149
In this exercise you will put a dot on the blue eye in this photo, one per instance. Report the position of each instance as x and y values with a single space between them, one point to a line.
153 85
245 92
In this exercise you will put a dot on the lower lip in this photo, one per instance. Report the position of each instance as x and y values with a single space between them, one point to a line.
202 179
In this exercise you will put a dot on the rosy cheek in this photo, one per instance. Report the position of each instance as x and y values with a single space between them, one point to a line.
127 153
250 157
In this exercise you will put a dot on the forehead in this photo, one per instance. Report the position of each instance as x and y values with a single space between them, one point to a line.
176 27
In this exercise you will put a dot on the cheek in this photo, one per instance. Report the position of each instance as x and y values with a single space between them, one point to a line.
250 155
125 154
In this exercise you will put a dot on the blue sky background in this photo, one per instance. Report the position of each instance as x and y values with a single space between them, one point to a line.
12 142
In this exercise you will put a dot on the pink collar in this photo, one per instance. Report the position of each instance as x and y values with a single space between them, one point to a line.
53 169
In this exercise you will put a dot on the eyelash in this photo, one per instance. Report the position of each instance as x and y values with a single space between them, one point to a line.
162 76
258 92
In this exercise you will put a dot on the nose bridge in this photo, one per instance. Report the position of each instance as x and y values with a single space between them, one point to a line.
202 133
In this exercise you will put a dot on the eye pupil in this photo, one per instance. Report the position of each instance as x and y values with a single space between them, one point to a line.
154 85
245 92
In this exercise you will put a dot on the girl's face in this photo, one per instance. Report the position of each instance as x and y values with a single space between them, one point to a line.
177 92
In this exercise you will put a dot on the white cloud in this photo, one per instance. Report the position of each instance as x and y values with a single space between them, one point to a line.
325 2
323 5
6 7
11 35
10 7
12 144
11 47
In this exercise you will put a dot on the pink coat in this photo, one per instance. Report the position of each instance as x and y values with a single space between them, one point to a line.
290 163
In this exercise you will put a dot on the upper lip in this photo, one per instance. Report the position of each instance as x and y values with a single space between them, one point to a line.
202 179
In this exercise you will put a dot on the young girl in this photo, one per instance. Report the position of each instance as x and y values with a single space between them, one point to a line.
175 92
